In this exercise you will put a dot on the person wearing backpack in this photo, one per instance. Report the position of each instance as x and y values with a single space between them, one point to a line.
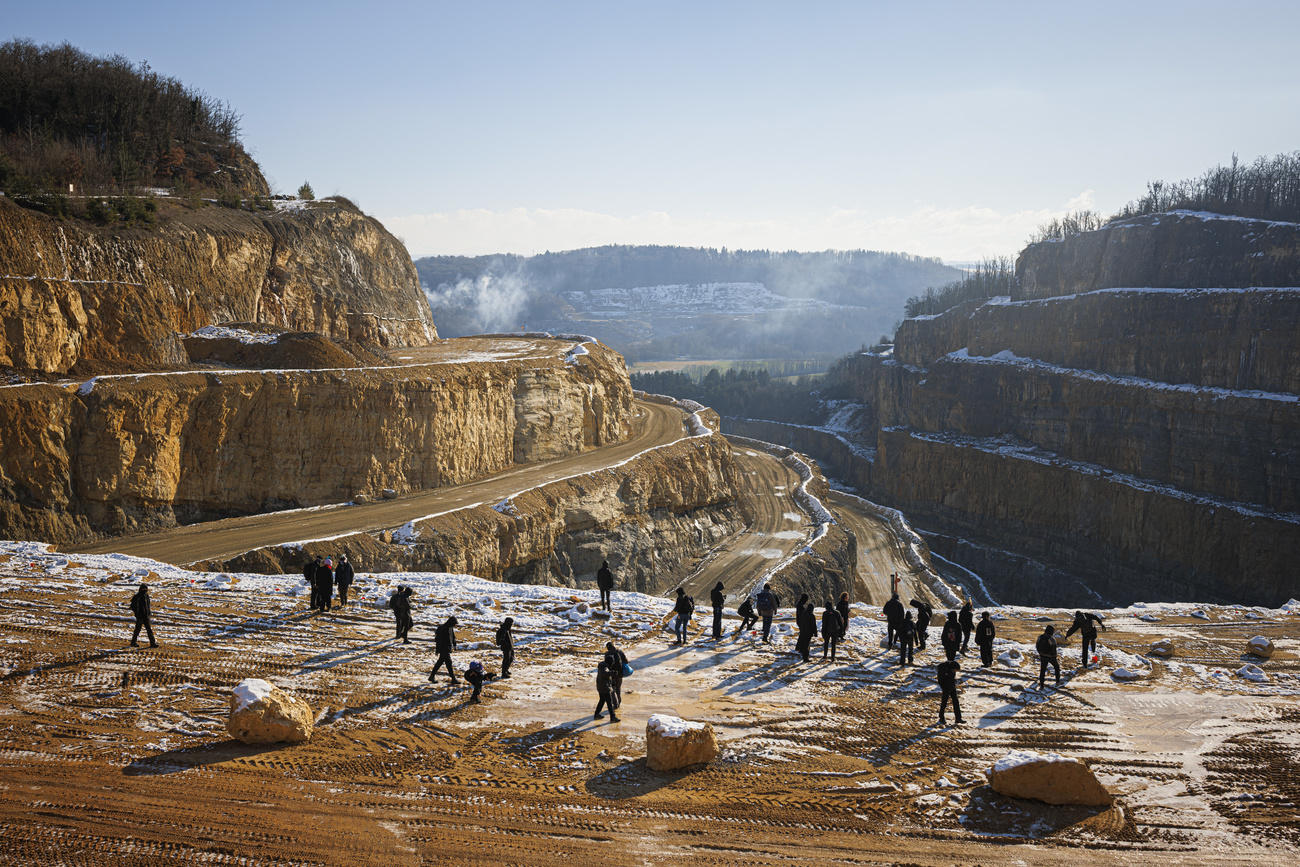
924 614
616 660
805 618
946 673
343 579
893 611
683 606
143 616
718 598
400 602
444 642
605 690
476 677
950 637
906 640
768 603
506 641
832 630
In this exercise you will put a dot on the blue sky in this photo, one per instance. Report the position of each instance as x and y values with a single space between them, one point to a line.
948 129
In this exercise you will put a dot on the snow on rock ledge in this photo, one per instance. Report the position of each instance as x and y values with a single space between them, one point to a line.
672 743
262 713
1047 777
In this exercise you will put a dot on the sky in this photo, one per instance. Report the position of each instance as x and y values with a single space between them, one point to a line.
937 129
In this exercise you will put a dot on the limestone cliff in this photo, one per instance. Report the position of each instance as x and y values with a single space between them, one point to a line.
80 298
127 453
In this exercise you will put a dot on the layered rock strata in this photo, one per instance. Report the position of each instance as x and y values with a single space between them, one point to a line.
75 297
121 454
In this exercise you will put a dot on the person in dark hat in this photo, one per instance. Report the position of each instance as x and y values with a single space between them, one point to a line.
400 602
605 583
444 642
143 616
505 638
718 598
343 579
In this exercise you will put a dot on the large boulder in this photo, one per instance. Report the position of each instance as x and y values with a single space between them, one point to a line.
1049 778
1260 646
262 713
672 742
1164 648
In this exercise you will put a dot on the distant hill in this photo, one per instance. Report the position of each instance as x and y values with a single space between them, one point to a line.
684 301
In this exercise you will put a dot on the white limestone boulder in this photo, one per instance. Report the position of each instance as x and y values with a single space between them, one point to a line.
1122 673
1011 658
1047 777
1260 646
1164 648
1253 673
672 742
262 713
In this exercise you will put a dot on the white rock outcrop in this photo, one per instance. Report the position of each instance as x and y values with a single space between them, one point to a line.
1047 777
1164 648
672 742
262 713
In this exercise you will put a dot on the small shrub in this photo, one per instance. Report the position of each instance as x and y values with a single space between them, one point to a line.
305 192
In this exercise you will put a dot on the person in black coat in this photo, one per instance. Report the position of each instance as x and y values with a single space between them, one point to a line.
400 602
893 612
444 642
1087 624
767 603
506 641
683 606
747 616
343 578
605 689
832 630
967 620
985 632
946 673
924 614
1046 647
143 616
477 676
605 583
842 608
309 575
906 639
617 662
950 637
718 598
805 618
325 584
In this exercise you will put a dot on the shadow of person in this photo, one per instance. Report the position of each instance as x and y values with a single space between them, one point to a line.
183 759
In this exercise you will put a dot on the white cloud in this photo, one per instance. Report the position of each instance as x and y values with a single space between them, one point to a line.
954 234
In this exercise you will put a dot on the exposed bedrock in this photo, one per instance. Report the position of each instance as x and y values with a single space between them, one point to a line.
78 297
129 453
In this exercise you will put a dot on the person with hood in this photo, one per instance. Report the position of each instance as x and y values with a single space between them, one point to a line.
967 620
747 616
605 583
476 677
842 608
616 660
832 630
924 614
805 618
946 673
343 578
767 603
906 640
1087 624
309 575
718 598
400 602
1046 647
505 638
143 616
325 584
605 689
683 606
893 612
444 642
985 632
950 637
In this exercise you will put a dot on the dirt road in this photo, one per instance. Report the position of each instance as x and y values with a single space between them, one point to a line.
655 425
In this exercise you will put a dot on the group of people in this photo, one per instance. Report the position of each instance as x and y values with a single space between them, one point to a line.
322 577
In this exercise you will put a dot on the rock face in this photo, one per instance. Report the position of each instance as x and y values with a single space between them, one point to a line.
1049 778
74 297
672 743
261 713
125 453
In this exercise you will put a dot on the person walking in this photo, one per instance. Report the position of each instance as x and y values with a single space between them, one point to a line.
950 637
985 632
906 640
1046 647
506 641
747 616
893 611
842 608
605 583
605 690
476 676
444 642
946 673
832 630
1086 624
325 584
400 602
683 606
805 618
143 616
718 598
924 614
616 660
343 579
967 620
768 603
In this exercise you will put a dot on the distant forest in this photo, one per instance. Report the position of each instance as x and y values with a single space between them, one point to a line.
740 393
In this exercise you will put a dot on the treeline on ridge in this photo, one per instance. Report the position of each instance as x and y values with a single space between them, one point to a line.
740 393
